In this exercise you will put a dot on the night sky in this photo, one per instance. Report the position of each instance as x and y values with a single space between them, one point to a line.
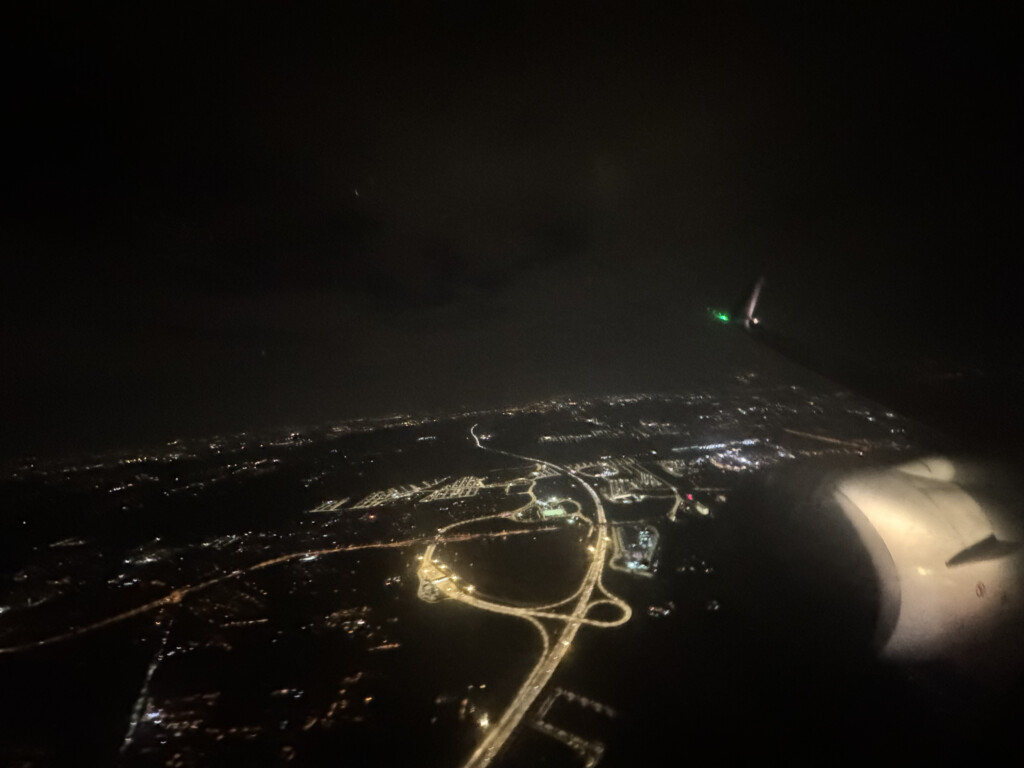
225 217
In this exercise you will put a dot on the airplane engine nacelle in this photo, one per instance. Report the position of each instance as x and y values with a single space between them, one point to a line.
949 569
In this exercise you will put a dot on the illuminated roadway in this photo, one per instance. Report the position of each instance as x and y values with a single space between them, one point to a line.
448 584
553 652
181 593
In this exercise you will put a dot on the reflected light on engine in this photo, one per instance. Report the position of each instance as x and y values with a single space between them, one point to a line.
949 570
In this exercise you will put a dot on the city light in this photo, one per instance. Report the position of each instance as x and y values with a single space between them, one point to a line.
949 575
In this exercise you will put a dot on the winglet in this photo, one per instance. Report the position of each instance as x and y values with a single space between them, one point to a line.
747 306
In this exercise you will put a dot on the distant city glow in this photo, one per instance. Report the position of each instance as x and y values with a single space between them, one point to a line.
445 525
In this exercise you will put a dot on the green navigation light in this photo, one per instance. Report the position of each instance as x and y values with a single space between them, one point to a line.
722 317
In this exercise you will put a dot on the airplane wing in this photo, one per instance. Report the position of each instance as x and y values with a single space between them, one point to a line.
949 564
978 410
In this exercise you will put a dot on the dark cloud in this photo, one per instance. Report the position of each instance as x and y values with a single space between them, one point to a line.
238 215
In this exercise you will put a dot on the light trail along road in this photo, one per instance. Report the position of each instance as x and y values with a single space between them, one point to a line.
438 577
